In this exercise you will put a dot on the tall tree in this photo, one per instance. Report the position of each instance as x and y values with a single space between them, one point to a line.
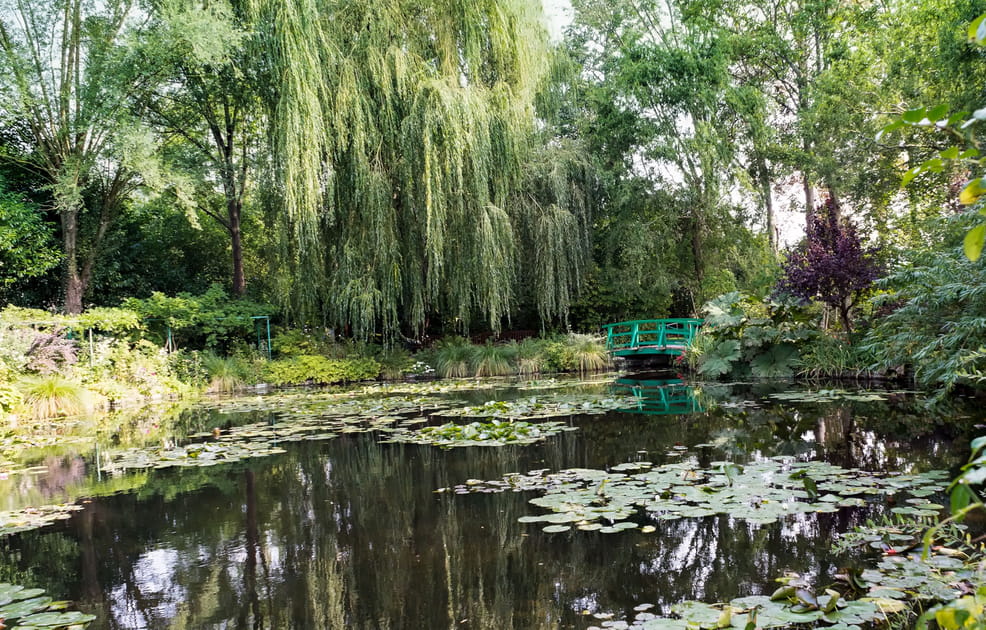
401 130
64 100
831 265
663 79
205 105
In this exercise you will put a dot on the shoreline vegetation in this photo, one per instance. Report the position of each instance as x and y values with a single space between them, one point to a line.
105 359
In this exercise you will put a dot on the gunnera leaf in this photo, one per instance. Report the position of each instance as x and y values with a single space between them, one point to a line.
777 362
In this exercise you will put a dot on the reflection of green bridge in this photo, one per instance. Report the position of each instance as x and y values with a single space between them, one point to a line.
651 336
658 397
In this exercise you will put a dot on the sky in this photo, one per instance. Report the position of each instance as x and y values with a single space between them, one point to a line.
559 14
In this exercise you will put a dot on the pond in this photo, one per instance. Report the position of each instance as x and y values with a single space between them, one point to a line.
337 518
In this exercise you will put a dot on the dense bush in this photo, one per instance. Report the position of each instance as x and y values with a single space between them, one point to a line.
316 369
575 353
211 320
936 323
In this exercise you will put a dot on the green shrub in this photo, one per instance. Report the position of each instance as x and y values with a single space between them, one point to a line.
452 357
558 356
828 356
211 320
744 336
10 397
317 369
55 396
935 323
491 360
394 362
295 342
575 353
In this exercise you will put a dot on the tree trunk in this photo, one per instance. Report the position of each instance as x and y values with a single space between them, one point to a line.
697 253
809 198
72 281
844 309
234 208
768 206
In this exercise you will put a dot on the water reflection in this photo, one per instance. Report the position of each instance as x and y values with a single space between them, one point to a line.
349 533
658 396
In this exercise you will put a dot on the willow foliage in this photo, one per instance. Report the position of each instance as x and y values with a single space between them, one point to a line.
402 133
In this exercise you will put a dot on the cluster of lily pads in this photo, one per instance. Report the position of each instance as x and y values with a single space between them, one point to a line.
535 408
294 418
831 395
30 609
761 492
900 578
13 521
793 604
493 433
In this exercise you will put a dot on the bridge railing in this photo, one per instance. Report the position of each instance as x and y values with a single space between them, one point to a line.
663 334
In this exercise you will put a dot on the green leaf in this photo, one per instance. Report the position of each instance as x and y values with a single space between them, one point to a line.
778 362
973 242
950 153
969 153
894 126
937 113
956 117
914 116
910 175
961 497
977 30
977 444
972 192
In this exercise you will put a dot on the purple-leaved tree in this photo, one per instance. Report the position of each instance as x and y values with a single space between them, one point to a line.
830 264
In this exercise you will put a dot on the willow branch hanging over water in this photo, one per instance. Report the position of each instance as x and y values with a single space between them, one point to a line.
403 131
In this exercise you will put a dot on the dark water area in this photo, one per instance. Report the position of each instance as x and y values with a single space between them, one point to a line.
350 533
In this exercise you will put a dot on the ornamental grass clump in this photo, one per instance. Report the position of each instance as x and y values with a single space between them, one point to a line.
55 396
226 374
492 360
588 353
452 357
530 357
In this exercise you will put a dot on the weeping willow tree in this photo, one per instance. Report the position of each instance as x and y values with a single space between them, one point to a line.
402 134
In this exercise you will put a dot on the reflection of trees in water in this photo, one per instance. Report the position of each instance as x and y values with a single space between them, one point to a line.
349 533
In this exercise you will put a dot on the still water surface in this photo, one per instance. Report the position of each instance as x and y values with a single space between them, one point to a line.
350 533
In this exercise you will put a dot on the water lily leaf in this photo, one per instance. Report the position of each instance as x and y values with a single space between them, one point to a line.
556 529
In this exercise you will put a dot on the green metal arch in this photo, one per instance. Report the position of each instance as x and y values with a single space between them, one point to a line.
651 336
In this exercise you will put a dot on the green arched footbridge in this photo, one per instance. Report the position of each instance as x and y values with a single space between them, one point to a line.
651 336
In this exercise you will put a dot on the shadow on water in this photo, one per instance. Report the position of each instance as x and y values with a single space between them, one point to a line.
350 533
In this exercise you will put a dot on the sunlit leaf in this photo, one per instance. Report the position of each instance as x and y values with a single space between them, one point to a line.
973 242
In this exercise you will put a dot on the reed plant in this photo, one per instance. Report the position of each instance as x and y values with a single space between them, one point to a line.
588 352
